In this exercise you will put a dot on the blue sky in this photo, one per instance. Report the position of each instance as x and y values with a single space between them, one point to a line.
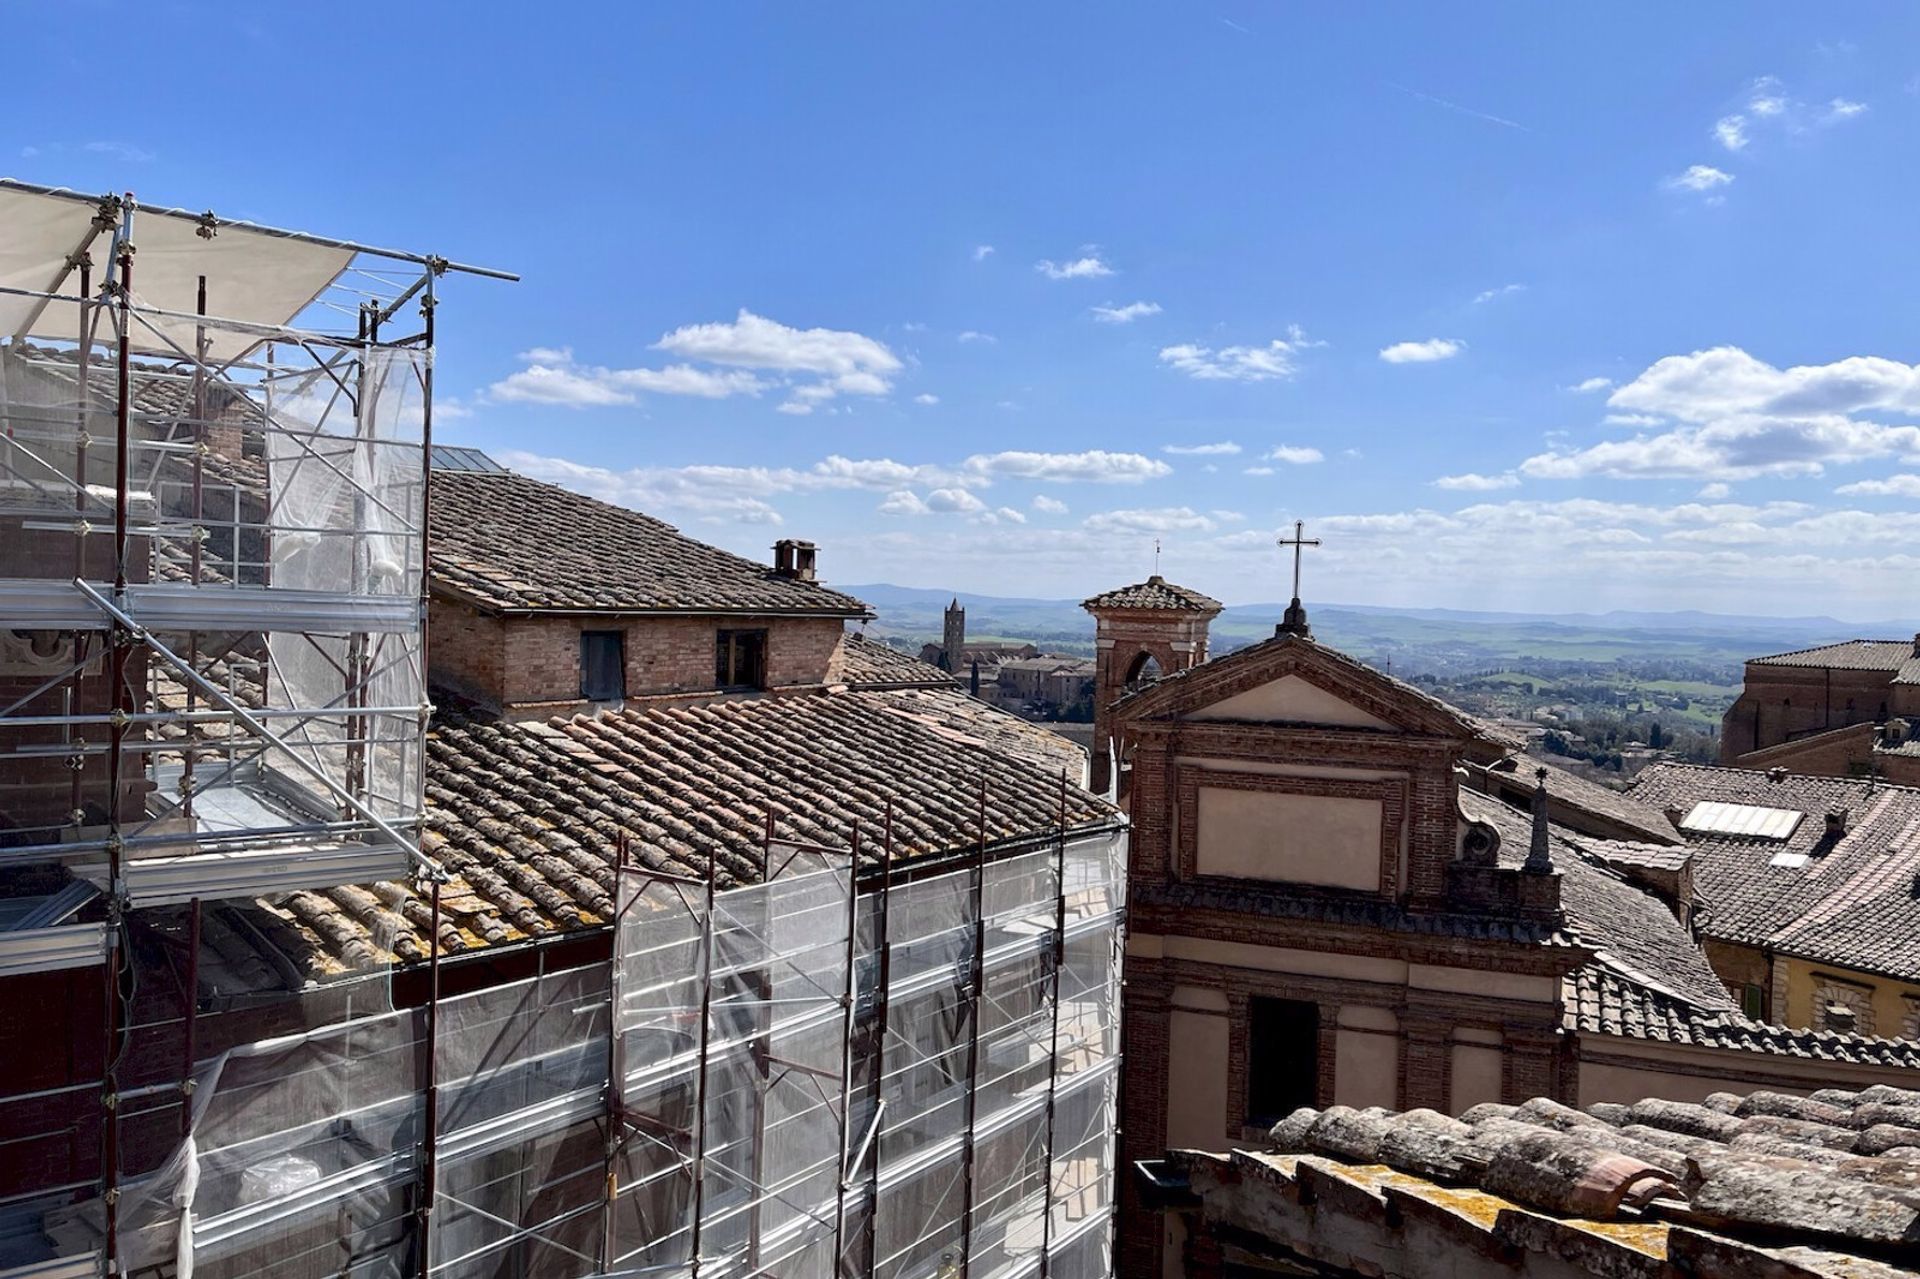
1520 307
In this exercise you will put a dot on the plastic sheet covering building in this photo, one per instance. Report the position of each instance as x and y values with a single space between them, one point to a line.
212 568
793 1078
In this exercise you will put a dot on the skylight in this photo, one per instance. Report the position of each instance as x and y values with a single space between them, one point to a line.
1749 821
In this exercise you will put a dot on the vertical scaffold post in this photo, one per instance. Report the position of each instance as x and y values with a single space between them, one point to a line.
616 1071
77 763
119 645
190 1046
430 1122
1053 1046
975 980
842 1174
881 981
190 752
700 1085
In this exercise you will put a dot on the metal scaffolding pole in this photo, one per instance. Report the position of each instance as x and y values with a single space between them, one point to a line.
843 1172
975 980
882 981
1053 1045
700 1089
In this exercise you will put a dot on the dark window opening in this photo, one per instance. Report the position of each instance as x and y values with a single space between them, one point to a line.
603 667
1753 1001
1283 1058
740 659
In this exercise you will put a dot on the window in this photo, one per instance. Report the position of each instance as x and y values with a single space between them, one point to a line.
1753 1001
1283 1058
740 659
603 668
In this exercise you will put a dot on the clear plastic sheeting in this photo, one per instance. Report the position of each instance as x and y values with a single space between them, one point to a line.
271 533
978 1085
734 1017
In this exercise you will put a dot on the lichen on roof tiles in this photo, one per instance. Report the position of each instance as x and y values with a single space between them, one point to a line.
510 543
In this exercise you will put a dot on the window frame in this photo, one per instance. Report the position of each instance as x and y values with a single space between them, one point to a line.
619 638
1308 1029
730 638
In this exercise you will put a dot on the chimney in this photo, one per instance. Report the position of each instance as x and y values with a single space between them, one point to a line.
1916 644
1836 821
804 554
1776 775
783 557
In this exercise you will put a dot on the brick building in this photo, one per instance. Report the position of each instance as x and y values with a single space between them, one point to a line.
1840 710
1323 912
1141 632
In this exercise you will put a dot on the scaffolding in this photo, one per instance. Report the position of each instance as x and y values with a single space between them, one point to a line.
213 571
213 575
814 1076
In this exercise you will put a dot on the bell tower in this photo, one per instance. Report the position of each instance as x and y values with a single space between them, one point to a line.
1141 632
953 643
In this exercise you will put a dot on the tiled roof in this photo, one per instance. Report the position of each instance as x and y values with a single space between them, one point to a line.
1155 593
1851 901
526 816
865 663
1634 934
1602 1002
1765 1184
1851 655
1573 792
514 544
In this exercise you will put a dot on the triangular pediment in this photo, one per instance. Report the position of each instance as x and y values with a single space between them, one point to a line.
1291 679
1291 700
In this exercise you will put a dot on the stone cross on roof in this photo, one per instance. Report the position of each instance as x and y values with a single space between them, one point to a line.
1295 622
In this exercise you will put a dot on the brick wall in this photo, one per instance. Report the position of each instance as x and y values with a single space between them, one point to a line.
519 661
1782 702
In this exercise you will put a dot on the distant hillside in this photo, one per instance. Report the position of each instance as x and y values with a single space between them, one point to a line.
1437 641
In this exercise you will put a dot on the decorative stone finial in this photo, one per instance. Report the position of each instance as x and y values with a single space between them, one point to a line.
1539 853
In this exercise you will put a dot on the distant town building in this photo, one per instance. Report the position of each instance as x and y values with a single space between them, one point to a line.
1839 710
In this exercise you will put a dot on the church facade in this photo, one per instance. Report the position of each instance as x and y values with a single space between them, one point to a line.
1322 914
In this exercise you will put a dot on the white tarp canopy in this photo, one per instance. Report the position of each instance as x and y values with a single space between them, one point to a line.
253 276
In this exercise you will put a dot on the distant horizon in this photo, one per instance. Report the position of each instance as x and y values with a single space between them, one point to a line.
1895 628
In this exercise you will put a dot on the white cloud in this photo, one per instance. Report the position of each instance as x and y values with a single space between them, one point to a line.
1240 363
1096 466
926 398
1505 290
1049 505
838 362
973 335
1228 517
902 502
1257 470
1840 109
1767 98
1892 486
125 152
1731 132
1422 352
1088 266
1293 455
954 501
1164 519
981 252
1715 492
1008 514
1591 385
1201 450
1471 482
846 362
1725 380
1111 314
1699 178
1632 419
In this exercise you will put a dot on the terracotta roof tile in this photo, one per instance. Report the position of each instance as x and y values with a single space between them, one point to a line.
1155 593
867 664
1846 899
510 543
1852 655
